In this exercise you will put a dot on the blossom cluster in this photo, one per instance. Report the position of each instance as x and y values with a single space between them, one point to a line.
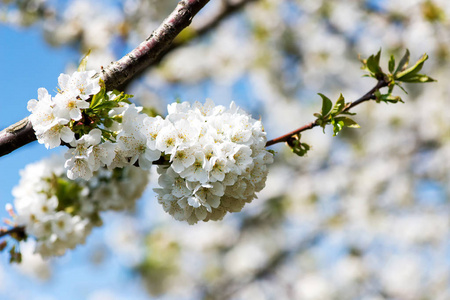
51 116
101 129
60 212
218 159
214 158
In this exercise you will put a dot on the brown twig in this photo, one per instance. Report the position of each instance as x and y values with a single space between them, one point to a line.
370 95
16 136
20 230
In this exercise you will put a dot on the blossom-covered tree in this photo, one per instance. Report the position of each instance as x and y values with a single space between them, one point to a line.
359 215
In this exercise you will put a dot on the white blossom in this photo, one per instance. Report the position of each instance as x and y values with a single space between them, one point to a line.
69 106
133 142
79 85
42 117
48 125
80 160
57 224
50 117
218 159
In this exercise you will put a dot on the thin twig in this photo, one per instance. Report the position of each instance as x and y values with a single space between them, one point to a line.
370 95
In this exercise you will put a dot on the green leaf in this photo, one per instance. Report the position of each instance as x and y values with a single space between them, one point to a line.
327 104
108 122
106 105
412 71
67 192
339 106
391 87
82 66
298 147
373 63
301 149
98 98
377 96
388 98
347 122
123 98
317 115
337 126
403 62
391 64
417 78
340 122
15 255
272 151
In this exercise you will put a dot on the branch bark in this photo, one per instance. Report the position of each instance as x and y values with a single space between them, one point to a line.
20 230
116 74
16 136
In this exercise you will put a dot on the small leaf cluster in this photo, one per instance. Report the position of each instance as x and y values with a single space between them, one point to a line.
100 105
15 255
68 193
398 74
403 73
297 146
337 115
98 112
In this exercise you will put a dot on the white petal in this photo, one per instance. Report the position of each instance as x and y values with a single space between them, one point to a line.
194 202
200 213
67 135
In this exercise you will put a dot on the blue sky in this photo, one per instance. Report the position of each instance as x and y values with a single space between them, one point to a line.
28 63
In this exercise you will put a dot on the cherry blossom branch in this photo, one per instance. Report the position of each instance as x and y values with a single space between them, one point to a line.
370 95
116 74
